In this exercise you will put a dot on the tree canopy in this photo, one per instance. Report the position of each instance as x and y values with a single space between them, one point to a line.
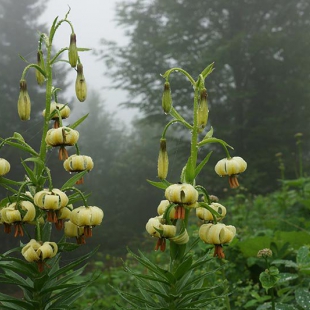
259 92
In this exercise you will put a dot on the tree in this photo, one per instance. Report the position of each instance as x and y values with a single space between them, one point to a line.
259 92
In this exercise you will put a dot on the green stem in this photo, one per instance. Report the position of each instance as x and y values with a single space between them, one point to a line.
79 192
300 159
215 140
166 75
48 96
180 119
168 125
38 230
194 147
273 304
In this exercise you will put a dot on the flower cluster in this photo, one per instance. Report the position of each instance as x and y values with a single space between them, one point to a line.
173 213
181 199
36 201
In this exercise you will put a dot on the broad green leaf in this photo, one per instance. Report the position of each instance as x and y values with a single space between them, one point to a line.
285 277
267 280
302 297
286 263
303 257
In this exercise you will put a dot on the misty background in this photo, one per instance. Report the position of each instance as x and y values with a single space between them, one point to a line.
258 94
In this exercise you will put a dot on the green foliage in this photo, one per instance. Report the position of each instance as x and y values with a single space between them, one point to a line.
55 288
259 91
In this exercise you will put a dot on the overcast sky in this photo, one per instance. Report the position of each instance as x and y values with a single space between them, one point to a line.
92 20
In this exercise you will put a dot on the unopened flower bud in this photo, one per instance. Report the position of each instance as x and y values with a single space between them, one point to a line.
73 53
80 84
203 111
163 161
24 104
40 62
166 98
4 166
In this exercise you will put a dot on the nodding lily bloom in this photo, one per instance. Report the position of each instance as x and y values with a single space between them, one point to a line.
217 234
185 195
206 215
87 217
78 163
162 207
35 251
231 167
17 213
51 201
62 136
161 231
63 214
58 110
73 231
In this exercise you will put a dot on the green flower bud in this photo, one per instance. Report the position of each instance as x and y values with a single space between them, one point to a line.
166 99
39 76
80 84
4 166
163 161
24 104
203 111
73 53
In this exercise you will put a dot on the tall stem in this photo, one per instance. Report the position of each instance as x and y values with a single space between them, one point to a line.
194 131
